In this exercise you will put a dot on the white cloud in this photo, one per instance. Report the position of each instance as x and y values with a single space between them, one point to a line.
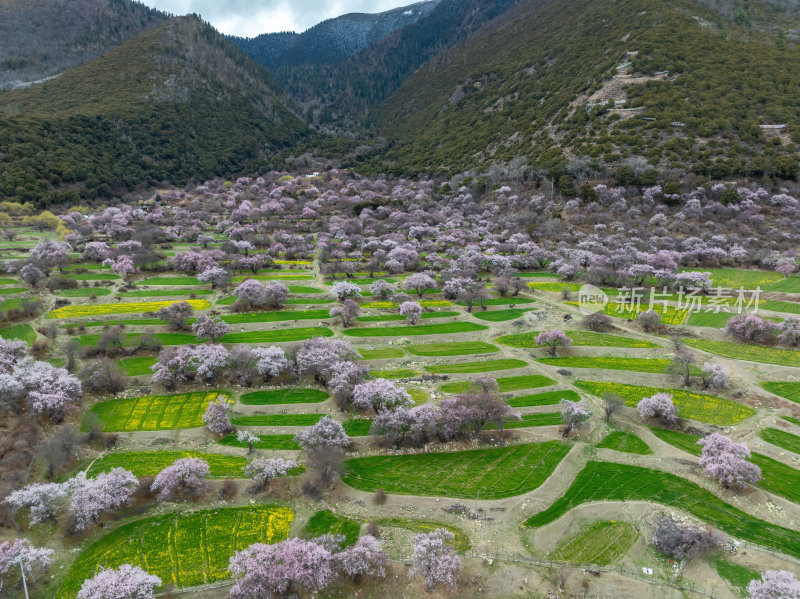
249 18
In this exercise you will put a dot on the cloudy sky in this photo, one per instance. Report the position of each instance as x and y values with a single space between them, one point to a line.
250 17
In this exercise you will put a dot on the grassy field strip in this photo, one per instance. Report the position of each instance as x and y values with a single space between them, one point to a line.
696 406
652 365
776 306
505 384
456 348
276 419
475 367
605 481
751 353
602 543
501 315
737 576
272 397
278 316
787 390
357 427
23 332
460 541
777 477
150 463
397 373
78 311
286 442
185 550
448 328
154 412
325 522
625 442
531 420
548 398
398 317
381 353
495 472
579 338
140 366
781 439
715 320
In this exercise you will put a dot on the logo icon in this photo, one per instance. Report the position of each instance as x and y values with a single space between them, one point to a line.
591 299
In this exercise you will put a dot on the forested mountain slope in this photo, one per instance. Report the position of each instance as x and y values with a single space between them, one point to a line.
692 96
40 38
176 102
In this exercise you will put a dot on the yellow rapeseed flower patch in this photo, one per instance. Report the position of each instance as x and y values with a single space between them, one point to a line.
81 310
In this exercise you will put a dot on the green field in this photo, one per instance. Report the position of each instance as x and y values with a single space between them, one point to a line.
652 365
184 550
696 406
473 367
715 320
504 301
277 336
625 442
276 420
530 420
794 421
127 322
278 316
496 472
393 317
272 397
154 412
132 339
604 481
140 366
165 293
548 398
164 281
150 463
737 576
456 348
23 332
602 543
80 292
775 306
777 477
737 277
579 338
500 315
781 439
357 427
787 285
790 391
381 353
751 353
447 328
325 522
505 384
264 442
93 276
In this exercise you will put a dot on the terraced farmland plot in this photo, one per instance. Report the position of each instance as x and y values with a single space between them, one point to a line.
166 292
715 320
398 317
775 306
496 472
548 398
787 390
80 292
448 328
602 543
456 348
604 481
277 336
81 310
164 281
150 463
504 301
787 285
751 353
381 353
781 439
737 576
653 365
132 339
460 541
696 406
625 442
140 366
501 315
23 332
273 397
264 442
505 384
393 305
777 477
325 522
531 420
93 276
186 549
738 277
277 316
357 427
276 420
397 373
579 338
154 412
474 367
